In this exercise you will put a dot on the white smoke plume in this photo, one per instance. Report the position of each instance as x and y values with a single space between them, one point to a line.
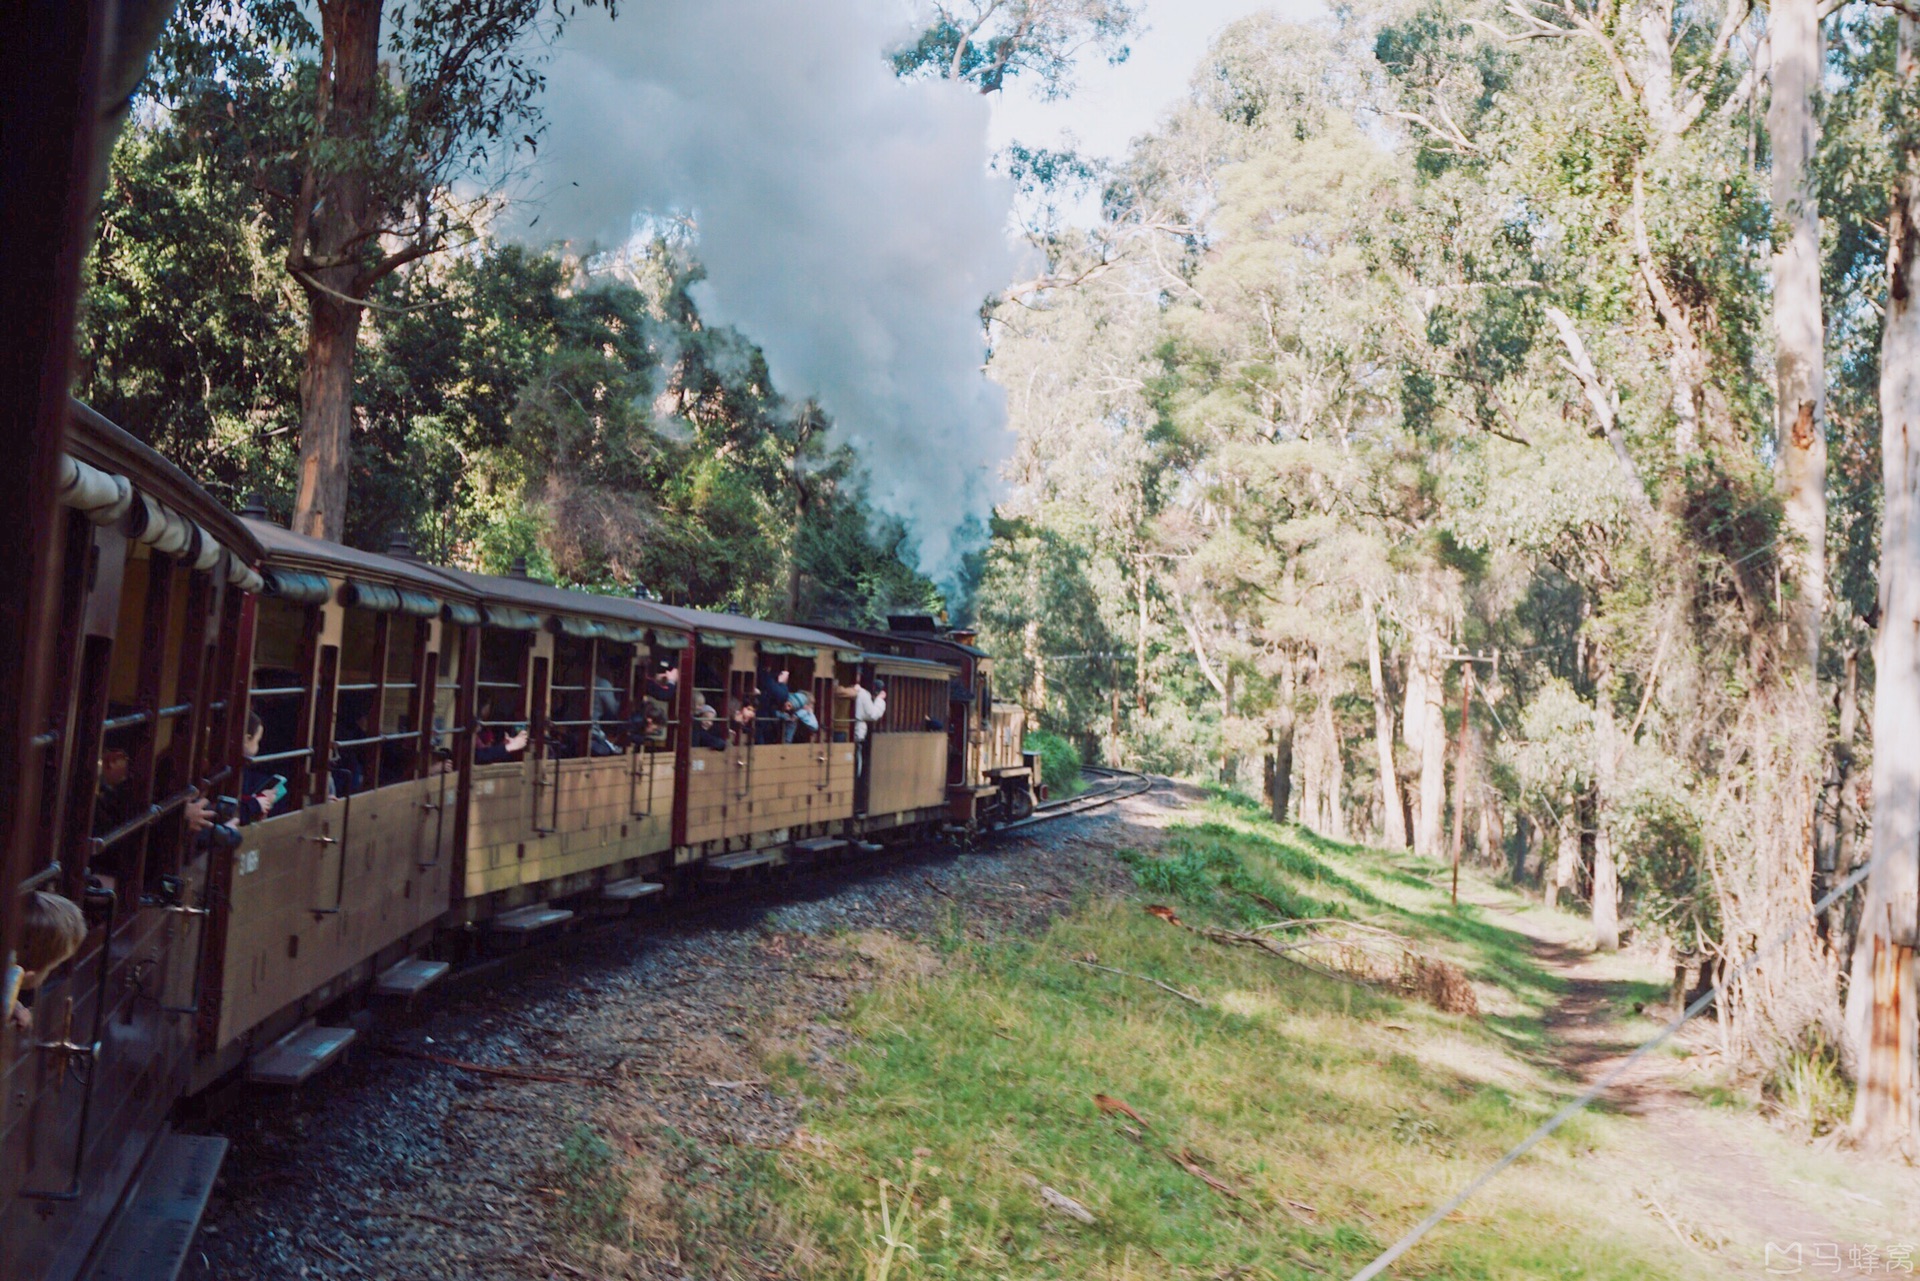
846 219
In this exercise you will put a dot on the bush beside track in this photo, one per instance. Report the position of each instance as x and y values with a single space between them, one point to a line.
1059 763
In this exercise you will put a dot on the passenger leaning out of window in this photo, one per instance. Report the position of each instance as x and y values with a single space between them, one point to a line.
869 709
704 733
51 931
776 719
260 791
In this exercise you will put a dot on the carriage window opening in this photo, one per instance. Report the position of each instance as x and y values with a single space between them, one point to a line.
501 721
840 713
711 708
785 692
446 691
400 699
611 704
356 735
655 719
568 704
283 634
743 705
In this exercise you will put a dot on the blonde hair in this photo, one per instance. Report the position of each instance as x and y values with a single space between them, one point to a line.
52 929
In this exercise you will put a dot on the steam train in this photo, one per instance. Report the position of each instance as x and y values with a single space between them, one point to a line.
453 763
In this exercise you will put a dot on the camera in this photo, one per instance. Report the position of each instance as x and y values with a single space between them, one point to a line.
223 835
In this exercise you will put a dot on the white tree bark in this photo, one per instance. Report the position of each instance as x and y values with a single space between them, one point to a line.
1799 350
1884 1114
1393 820
1427 675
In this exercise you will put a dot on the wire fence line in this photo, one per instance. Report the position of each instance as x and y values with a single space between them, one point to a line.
1607 1079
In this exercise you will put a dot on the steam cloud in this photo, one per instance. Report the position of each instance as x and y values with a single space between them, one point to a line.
846 218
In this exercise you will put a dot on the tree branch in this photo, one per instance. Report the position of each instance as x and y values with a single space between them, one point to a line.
1578 363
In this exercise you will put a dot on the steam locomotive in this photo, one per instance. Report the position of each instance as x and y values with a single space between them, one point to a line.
448 763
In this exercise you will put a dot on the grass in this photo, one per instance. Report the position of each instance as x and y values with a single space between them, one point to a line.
1290 1125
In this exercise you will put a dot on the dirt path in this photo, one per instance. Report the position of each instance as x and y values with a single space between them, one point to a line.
1743 1198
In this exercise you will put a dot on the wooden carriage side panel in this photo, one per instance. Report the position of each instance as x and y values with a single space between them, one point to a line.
909 772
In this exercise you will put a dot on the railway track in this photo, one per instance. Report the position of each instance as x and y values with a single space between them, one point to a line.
1109 785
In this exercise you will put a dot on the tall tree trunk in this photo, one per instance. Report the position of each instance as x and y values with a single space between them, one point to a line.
326 419
1394 828
1884 1112
1140 636
331 223
1333 774
1431 742
1283 745
1460 774
1036 664
1566 853
1606 873
1799 350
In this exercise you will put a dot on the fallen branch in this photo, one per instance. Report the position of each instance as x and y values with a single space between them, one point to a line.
1186 1162
1127 974
486 1069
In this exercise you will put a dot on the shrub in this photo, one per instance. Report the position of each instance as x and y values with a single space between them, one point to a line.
1059 762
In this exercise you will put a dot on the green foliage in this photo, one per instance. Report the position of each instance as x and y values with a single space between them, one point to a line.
508 404
1059 762
988 42
594 1186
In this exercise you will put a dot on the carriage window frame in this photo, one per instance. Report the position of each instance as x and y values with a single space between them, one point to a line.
714 688
489 647
569 728
301 692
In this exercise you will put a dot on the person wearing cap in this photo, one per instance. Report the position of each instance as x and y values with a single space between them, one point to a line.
704 734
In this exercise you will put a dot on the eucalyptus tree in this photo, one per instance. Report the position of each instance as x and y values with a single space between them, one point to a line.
985 43
1887 1110
365 127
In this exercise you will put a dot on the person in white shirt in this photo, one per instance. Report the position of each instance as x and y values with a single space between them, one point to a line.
869 709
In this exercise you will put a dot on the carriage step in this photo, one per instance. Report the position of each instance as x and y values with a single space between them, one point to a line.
819 845
299 1054
530 920
154 1229
741 861
868 847
627 891
410 977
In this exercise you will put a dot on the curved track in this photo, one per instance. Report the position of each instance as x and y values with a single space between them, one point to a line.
1109 785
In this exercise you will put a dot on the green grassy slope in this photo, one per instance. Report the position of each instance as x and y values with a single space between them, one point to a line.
1330 1115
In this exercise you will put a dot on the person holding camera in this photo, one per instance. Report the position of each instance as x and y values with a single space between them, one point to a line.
259 793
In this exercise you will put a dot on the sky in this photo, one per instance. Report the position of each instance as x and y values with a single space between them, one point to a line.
849 222
1113 105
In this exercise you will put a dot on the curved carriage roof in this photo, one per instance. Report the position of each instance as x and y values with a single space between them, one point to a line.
531 594
752 628
96 441
286 548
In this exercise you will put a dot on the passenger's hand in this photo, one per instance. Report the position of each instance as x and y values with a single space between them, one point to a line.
21 1017
199 815
517 742
265 801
